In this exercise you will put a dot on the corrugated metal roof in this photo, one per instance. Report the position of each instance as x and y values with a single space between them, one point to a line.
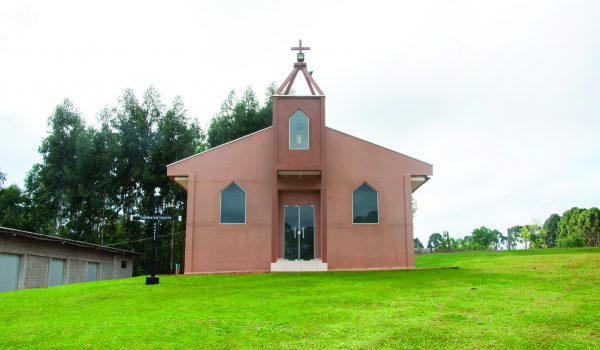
38 236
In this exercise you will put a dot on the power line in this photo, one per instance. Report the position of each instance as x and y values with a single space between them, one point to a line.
143 239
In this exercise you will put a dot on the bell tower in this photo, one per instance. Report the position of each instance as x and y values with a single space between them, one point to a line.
299 152
299 121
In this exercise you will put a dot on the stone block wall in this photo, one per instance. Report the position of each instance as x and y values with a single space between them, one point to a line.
106 271
37 269
77 271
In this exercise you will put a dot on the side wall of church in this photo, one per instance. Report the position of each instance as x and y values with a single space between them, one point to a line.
389 243
215 247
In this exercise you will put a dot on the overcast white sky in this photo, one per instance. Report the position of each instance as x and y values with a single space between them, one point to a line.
502 97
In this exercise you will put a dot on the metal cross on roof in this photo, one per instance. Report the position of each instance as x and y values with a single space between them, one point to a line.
299 48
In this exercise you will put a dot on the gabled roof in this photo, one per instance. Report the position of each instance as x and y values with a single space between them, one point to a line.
374 144
219 146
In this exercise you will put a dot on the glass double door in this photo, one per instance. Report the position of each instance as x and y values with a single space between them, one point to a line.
299 232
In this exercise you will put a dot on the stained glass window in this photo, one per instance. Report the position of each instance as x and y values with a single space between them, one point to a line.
299 125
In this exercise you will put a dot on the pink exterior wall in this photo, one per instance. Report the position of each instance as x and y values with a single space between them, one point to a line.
343 162
298 160
283 108
215 247
388 244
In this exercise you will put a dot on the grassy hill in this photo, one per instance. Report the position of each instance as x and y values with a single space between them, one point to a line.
499 300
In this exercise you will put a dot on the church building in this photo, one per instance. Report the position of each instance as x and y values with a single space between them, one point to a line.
299 196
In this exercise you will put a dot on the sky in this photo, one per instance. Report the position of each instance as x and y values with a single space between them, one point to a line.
502 97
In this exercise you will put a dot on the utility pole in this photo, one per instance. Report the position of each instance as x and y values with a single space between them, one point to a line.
172 234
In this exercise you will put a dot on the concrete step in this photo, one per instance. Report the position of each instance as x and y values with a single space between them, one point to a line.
298 265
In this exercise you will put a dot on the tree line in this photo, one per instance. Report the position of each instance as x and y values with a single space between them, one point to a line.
92 177
576 227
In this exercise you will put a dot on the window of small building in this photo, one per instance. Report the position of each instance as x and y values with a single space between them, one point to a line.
123 264
299 131
365 205
233 205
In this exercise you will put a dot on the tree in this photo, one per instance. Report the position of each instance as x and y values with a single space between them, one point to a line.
570 229
177 137
14 208
501 239
551 229
2 178
240 117
91 179
514 236
531 234
447 243
590 221
417 244
52 184
484 238
435 240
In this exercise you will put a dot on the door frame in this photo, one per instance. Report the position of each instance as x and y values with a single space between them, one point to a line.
299 198
314 212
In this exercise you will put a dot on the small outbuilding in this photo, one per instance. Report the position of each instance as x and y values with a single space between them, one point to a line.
33 260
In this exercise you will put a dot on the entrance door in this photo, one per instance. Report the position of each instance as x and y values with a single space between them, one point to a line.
299 232
92 272
9 271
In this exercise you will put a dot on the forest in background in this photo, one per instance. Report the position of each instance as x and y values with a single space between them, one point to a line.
576 227
93 177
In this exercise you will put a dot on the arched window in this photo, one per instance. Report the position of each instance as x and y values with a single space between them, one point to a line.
299 125
233 205
365 205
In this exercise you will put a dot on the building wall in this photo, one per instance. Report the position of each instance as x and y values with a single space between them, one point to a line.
36 271
283 108
78 270
388 244
210 245
215 247
37 254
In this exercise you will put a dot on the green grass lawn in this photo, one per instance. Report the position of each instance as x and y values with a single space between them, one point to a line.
523 299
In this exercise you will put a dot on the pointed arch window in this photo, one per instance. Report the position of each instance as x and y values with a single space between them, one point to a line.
299 131
365 205
233 205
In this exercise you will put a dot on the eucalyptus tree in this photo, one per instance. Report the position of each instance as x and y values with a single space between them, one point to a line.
177 137
514 236
50 184
14 208
240 116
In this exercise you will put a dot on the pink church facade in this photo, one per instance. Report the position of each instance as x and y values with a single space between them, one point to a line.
298 196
